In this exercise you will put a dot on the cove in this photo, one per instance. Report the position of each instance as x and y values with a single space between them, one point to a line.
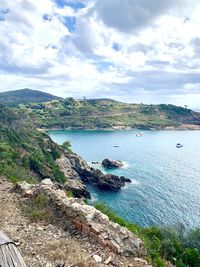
165 188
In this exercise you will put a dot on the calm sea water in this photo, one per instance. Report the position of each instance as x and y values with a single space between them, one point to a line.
165 187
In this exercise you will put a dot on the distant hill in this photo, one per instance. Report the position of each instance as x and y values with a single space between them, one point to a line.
51 112
110 114
25 96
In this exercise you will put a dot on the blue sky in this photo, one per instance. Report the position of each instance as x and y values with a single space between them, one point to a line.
132 51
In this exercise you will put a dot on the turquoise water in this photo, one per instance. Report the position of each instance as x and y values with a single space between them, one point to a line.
165 186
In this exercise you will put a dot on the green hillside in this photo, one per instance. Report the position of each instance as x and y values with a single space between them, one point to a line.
25 153
48 111
25 96
106 113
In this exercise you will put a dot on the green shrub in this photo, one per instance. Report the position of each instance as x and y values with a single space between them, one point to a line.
38 209
164 243
67 146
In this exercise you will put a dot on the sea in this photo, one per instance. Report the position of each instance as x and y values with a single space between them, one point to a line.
165 188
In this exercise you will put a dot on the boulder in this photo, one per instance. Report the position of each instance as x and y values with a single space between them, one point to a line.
110 163
110 182
77 187
47 181
24 188
124 179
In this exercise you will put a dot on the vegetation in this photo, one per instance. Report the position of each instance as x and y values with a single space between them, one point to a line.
25 153
67 146
48 111
25 96
106 113
177 245
38 209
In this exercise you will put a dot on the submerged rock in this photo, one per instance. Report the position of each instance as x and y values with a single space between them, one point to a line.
110 163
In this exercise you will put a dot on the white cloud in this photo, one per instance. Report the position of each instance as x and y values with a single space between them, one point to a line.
131 49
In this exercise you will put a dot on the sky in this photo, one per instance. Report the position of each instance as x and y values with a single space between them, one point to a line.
140 51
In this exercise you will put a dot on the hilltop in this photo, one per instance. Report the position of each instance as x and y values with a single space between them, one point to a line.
25 96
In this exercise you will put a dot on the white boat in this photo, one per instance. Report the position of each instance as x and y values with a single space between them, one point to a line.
139 134
179 145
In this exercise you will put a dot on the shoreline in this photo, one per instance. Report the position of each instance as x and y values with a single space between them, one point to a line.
184 127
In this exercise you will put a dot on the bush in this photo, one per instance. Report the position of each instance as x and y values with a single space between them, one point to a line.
38 209
67 146
163 243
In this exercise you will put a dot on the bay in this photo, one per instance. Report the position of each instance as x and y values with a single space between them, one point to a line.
165 188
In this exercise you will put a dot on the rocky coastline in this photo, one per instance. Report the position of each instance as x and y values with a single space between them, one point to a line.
78 173
182 127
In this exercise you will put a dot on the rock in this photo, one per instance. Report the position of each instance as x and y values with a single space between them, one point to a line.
24 188
47 182
109 163
97 258
109 259
110 182
91 223
139 260
124 179
77 188
74 167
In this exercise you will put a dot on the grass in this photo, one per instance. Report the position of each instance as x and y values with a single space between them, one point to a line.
38 209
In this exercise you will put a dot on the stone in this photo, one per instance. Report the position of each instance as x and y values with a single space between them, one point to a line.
85 230
124 179
110 182
77 187
47 181
23 187
97 258
102 242
139 260
75 168
109 163
91 223
108 260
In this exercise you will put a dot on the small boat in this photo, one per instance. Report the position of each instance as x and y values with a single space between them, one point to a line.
139 134
115 146
179 145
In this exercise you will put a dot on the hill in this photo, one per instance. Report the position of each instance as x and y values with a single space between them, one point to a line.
51 112
25 96
110 114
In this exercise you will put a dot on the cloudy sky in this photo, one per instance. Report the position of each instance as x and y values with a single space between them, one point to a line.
130 50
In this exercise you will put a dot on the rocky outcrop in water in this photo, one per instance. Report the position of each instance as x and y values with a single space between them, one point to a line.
110 163
74 167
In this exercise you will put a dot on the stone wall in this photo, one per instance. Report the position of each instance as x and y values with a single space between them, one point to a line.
90 222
